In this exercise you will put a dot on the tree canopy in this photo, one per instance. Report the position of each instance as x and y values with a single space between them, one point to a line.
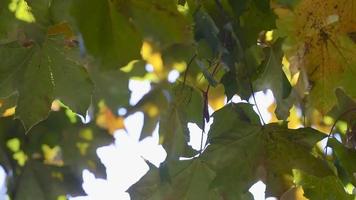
64 61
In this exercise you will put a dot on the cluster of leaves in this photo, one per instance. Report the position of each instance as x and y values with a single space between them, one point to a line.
62 59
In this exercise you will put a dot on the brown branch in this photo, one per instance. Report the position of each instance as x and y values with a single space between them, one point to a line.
205 114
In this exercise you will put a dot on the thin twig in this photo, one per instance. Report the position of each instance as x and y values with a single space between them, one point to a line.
205 113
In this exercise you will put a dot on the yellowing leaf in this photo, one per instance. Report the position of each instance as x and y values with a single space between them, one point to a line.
107 120
21 10
294 120
269 36
319 46
13 144
151 109
271 109
318 121
216 97
62 197
82 147
9 112
152 57
86 134
20 157
61 28
52 155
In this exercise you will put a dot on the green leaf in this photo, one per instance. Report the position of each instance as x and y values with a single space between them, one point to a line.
110 86
108 35
272 76
189 103
59 11
40 9
257 17
255 57
7 103
171 134
269 152
238 6
346 157
288 150
290 3
15 58
345 108
229 157
152 105
189 180
243 65
230 84
8 22
71 82
243 76
159 21
185 106
49 132
35 92
233 117
206 73
41 74
327 188
206 29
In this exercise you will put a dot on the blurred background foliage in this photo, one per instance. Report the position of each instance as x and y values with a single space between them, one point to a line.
64 77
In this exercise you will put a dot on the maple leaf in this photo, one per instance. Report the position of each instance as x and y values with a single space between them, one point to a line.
318 44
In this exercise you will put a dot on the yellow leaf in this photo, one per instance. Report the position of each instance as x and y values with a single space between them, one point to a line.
86 134
9 112
216 97
62 197
20 157
317 120
319 46
271 109
13 144
151 109
107 120
21 10
294 119
153 57
52 155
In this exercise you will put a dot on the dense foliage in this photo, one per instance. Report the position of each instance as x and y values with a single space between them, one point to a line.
62 59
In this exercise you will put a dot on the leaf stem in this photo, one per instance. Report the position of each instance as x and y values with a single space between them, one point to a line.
205 113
